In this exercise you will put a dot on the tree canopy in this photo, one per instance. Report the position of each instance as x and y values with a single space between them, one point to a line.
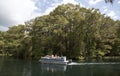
69 30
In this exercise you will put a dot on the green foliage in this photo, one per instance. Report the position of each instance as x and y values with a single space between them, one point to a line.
69 30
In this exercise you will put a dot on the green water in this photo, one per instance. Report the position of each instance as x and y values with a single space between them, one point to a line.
13 67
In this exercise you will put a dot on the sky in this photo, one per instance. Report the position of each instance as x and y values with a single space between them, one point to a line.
14 12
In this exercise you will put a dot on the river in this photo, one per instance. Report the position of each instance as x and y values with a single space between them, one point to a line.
15 67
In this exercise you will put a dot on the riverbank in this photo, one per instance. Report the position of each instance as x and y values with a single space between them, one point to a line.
6 55
102 58
111 57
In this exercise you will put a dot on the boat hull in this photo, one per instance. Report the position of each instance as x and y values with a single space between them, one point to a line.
54 62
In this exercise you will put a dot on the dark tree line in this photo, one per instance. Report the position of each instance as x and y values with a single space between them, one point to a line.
69 30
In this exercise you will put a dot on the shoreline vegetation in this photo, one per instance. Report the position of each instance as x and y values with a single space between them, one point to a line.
81 59
112 57
69 30
7 55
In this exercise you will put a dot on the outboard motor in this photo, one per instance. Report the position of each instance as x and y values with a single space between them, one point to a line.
70 61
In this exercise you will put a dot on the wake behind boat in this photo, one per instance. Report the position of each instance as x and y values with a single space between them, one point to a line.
55 59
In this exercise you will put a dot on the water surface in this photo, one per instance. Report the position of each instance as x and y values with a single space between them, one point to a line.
15 67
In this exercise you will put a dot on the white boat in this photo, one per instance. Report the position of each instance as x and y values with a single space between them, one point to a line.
55 60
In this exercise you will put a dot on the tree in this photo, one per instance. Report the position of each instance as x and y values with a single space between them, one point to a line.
2 43
13 38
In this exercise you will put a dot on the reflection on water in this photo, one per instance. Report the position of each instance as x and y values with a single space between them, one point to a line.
13 67
53 67
1 63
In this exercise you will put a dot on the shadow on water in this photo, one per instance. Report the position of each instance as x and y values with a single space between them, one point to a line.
14 67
